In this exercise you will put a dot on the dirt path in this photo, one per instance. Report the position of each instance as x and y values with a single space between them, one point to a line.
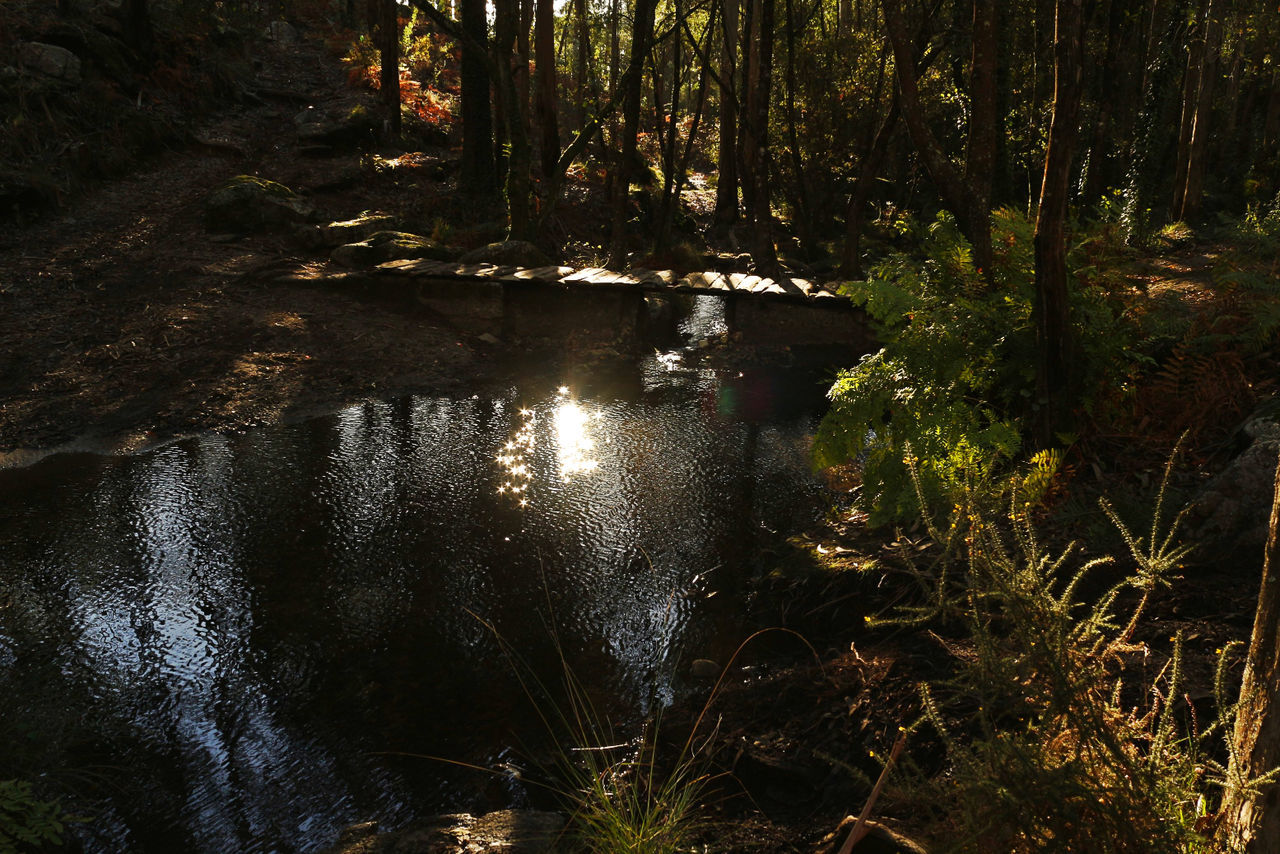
122 321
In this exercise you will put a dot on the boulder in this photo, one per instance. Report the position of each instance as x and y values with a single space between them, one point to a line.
247 203
508 253
506 831
355 230
283 32
413 163
385 246
1234 508
355 127
50 60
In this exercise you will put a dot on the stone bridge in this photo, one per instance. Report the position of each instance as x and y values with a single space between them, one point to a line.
602 306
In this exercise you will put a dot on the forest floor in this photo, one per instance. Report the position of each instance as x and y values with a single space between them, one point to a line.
124 322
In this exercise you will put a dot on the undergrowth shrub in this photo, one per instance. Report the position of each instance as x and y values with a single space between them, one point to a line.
28 822
956 376
1054 738
621 796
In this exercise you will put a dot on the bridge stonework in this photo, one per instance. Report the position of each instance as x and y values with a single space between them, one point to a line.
602 306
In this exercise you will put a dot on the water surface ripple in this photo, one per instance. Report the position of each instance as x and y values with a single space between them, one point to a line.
223 643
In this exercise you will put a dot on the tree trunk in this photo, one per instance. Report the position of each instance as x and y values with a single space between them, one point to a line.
1251 822
389 51
582 66
1190 97
804 208
670 197
968 201
726 212
980 148
1095 179
855 218
700 103
1201 120
545 46
477 169
641 38
1055 381
520 219
750 84
763 252
615 62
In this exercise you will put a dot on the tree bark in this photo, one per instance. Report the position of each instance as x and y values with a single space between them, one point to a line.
1250 822
641 40
965 198
1203 116
545 104
583 54
763 252
670 194
855 218
726 212
1190 99
477 168
804 209
389 51
1055 380
507 21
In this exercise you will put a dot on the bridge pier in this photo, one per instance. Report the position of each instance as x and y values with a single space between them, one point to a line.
581 316
779 323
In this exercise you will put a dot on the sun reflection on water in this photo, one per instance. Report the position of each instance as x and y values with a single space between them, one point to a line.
516 456
573 425
573 438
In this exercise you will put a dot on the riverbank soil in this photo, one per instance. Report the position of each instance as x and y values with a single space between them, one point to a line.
125 320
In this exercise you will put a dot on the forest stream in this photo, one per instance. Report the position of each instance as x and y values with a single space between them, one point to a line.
242 638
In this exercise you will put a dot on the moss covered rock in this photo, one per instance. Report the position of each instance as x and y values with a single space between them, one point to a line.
387 246
248 203
514 253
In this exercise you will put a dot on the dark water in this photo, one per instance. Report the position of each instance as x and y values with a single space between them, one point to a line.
218 643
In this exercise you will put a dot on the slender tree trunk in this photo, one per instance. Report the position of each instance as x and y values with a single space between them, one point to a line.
980 153
477 170
855 218
1190 100
1111 78
506 23
666 210
700 103
747 143
1055 380
1271 124
641 39
1251 822
726 186
966 195
1202 121
804 208
545 45
524 49
584 53
1158 80
726 212
389 51
763 252
615 131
